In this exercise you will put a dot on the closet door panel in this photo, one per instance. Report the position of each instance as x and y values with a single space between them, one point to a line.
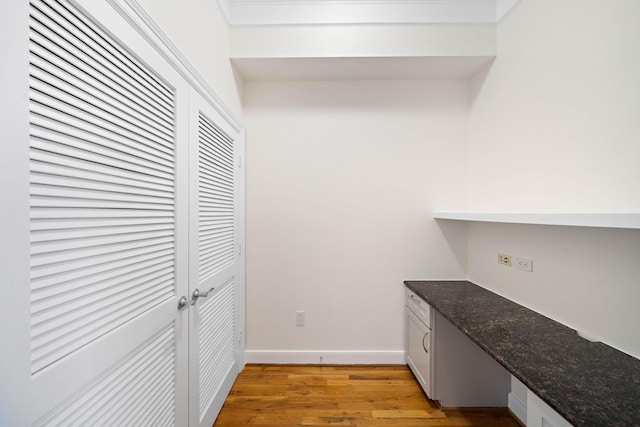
107 224
214 259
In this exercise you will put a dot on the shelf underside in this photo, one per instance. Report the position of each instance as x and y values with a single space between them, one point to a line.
629 220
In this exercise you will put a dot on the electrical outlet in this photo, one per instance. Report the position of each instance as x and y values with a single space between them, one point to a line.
504 259
299 318
524 264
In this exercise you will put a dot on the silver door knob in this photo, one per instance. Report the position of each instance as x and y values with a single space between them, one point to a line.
199 294
183 303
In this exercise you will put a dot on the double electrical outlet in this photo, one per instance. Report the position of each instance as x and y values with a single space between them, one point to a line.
520 263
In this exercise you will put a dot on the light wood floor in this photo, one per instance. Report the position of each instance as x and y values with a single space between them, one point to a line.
302 395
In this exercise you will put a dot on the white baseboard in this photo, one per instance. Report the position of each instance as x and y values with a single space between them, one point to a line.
332 357
518 408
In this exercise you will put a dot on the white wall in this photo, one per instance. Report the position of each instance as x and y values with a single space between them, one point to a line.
200 32
556 122
342 178
555 126
341 181
372 41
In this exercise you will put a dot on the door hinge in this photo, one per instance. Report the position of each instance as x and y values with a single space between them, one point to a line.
240 161
240 249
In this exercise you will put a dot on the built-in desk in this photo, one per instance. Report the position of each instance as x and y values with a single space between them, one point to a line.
588 383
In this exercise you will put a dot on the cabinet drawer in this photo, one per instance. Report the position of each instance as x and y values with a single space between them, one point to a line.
421 309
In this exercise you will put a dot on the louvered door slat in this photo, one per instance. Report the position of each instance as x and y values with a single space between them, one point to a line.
216 245
82 203
89 190
52 224
214 160
66 165
57 92
152 366
222 259
57 315
48 136
215 198
93 272
120 236
216 256
64 245
44 51
216 340
68 92
81 122
69 269
219 183
72 169
52 304
212 196
212 132
218 174
105 47
123 404
215 191
102 188
214 157
47 176
210 237
86 42
207 200
61 215
213 224
56 279
138 230
52 345
66 77
56 269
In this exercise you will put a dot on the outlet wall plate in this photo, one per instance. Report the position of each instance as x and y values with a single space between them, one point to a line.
299 318
524 264
504 259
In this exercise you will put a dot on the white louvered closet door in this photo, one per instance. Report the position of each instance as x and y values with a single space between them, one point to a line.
98 337
216 198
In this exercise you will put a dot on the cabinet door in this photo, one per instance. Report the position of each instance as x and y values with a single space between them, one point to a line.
94 222
216 204
418 351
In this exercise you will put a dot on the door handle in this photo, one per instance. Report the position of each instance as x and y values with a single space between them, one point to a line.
183 303
199 294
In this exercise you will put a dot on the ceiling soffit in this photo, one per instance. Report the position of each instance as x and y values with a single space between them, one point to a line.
345 12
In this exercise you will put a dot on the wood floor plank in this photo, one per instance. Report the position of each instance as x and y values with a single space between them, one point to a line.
407 413
321 395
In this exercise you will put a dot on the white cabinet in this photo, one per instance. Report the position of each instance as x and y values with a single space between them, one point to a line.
418 341
448 365
539 414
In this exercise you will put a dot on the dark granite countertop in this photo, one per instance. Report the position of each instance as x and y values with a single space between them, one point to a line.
588 383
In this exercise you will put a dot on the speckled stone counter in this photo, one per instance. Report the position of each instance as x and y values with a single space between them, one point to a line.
588 383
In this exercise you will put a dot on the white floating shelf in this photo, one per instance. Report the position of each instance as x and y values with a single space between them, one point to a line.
630 220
